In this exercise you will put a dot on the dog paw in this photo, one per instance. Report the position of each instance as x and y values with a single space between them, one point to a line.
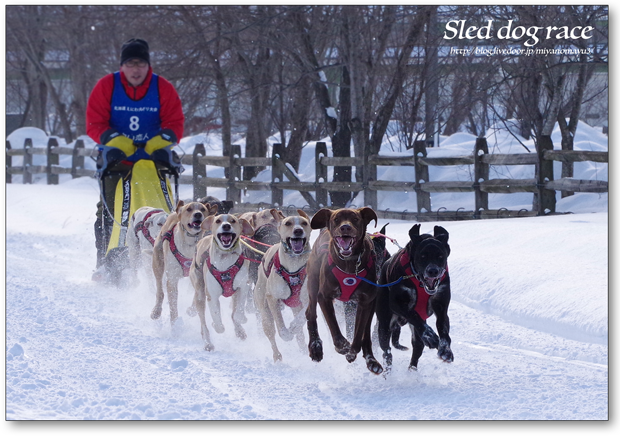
219 328
373 366
240 333
156 313
400 347
387 358
191 311
342 347
430 338
277 357
351 357
413 368
444 352
286 335
209 347
316 350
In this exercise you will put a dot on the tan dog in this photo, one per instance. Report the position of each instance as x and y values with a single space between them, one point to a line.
144 226
220 268
265 224
281 278
174 251
342 254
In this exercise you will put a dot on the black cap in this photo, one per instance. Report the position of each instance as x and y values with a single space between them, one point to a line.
135 48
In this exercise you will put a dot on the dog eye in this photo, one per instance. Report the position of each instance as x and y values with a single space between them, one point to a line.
304 223
288 223
218 221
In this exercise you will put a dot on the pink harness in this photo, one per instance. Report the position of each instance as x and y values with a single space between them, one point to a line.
140 227
421 304
294 280
185 262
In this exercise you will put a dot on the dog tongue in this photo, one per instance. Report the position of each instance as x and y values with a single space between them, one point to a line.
226 238
297 245
344 243
431 282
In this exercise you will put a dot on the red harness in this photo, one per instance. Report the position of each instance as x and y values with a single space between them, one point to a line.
421 303
140 227
185 262
348 282
225 278
294 280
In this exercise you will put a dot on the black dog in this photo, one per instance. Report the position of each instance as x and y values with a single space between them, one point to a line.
420 287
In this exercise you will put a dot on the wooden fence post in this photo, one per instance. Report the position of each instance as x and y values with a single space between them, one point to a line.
234 174
199 172
481 174
9 163
77 160
27 177
544 174
421 176
370 174
52 159
277 195
320 173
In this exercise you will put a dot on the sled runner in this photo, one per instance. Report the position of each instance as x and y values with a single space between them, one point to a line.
141 179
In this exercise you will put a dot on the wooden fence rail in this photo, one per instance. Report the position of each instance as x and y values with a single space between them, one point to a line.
283 177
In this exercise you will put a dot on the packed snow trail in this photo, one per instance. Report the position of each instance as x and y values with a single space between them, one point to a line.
80 350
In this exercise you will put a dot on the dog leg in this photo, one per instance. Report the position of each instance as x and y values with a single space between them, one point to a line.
315 345
158 271
418 347
276 313
270 330
173 296
216 314
443 327
200 303
238 316
341 344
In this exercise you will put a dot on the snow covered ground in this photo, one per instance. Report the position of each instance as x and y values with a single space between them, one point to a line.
529 327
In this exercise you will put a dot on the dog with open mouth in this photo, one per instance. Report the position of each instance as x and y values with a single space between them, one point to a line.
419 287
174 251
221 269
282 282
343 265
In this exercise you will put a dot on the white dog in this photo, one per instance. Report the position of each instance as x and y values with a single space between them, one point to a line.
144 226
174 252
281 281
220 269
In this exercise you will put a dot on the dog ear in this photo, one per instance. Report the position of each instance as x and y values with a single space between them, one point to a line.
368 215
246 227
320 219
212 208
277 215
302 214
441 234
207 223
414 231
180 204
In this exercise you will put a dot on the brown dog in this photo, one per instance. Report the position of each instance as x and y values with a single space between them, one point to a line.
174 251
340 256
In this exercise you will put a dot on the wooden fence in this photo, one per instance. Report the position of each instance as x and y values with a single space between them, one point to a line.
543 185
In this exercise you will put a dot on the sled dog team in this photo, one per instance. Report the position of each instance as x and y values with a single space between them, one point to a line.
264 262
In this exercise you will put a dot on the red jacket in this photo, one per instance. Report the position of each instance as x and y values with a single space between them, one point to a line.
99 104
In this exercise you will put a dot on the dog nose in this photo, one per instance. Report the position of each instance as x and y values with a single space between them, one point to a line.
198 215
345 228
226 227
298 232
432 271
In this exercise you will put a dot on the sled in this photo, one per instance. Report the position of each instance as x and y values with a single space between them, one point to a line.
144 181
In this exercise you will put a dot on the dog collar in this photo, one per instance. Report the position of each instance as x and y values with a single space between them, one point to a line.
294 280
